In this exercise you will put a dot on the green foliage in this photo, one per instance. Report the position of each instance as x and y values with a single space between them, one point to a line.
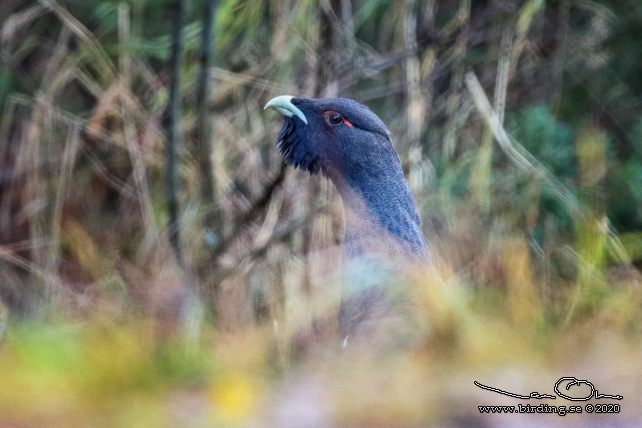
551 142
241 33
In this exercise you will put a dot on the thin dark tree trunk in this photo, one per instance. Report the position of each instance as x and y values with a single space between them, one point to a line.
172 129
326 56
191 309
203 135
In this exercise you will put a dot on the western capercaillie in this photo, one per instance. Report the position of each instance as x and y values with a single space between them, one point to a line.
348 143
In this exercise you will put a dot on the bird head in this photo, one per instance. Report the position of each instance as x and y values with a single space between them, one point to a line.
337 136
348 143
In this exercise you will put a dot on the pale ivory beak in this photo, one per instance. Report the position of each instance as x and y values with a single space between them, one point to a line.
284 105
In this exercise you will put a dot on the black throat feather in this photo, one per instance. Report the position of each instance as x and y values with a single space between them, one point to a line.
294 149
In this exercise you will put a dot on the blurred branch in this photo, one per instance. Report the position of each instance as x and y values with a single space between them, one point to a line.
453 102
10 256
442 65
503 74
326 84
416 104
173 133
458 30
70 154
254 211
12 24
249 78
524 22
191 310
527 162
48 166
279 235
127 105
203 130
104 64
4 318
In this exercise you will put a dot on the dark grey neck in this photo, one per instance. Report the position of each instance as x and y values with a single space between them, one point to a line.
381 216
383 236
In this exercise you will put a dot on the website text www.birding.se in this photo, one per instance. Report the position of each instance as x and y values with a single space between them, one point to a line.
546 408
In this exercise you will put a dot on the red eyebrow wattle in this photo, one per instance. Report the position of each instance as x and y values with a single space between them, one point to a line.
346 121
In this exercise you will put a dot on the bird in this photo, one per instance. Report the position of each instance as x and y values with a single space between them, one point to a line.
349 144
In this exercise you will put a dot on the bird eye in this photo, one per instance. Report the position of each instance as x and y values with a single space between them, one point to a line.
333 118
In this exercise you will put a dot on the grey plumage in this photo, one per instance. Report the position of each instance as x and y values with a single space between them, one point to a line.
348 143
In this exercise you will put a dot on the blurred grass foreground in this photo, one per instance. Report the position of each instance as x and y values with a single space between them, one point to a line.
519 126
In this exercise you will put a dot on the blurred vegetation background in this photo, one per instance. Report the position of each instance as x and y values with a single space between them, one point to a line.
538 238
